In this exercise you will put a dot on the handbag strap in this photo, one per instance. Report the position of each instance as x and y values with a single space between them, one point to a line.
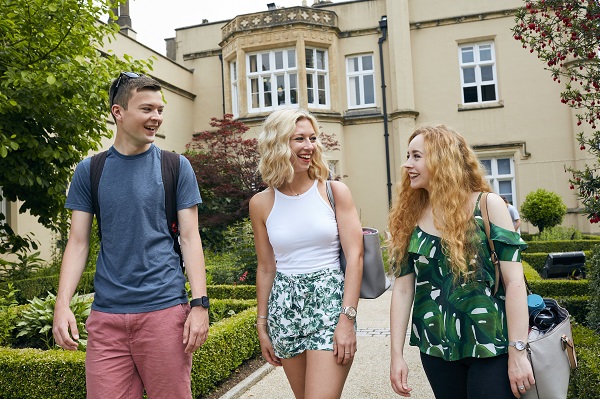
486 225
329 191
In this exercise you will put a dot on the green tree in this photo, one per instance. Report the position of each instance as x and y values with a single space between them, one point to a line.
565 36
53 100
543 209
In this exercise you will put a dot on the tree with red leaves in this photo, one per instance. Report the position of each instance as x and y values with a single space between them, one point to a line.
225 163
565 34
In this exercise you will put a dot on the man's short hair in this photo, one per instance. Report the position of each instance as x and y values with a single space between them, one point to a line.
127 86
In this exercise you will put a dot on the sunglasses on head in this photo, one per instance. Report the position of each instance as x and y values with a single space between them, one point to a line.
122 77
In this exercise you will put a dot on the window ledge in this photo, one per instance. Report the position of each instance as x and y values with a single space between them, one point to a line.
474 107
362 112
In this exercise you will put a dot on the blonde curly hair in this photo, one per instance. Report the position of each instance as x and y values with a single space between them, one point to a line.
275 164
455 173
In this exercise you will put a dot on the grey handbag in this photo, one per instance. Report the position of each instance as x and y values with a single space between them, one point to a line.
374 280
552 357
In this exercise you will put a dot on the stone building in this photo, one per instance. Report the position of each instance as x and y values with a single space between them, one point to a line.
371 71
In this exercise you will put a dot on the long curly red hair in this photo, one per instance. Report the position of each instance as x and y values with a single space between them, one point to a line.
455 173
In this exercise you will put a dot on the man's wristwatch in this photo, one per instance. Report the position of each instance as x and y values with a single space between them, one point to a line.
202 301
519 345
350 312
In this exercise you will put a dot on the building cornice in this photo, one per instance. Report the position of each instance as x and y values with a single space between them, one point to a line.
463 19
279 17
520 145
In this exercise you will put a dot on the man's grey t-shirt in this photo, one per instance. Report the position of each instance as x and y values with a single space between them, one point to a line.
137 268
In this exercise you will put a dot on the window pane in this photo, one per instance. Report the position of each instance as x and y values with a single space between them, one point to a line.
279 60
267 91
469 75
252 63
367 63
504 188
265 62
487 165
488 92
467 54
487 73
320 59
310 86
310 61
234 70
291 58
369 89
470 94
293 89
254 88
280 90
353 64
485 52
354 91
322 94
504 166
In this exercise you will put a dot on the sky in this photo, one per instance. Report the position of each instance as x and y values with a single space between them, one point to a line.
156 20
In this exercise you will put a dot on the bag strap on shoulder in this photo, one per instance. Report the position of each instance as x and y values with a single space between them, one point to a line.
96 167
486 225
329 191
169 162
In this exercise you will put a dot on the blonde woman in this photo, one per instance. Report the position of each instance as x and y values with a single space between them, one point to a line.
306 306
472 342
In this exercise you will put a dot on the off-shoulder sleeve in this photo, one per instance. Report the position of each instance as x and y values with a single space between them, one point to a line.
508 244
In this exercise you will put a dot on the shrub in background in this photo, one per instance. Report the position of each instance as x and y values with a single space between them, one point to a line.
35 325
593 275
7 315
558 233
543 209
239 240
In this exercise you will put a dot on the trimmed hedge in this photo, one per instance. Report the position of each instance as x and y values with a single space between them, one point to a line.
230 342
231 291
585 379
40 286
560 246
60 374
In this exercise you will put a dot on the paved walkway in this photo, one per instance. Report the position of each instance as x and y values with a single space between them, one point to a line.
369 376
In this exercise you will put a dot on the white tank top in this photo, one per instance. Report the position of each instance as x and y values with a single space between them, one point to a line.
303 233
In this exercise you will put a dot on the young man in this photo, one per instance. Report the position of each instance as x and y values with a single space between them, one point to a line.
141 331
514 214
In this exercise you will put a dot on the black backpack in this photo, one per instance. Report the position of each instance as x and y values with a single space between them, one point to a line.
169 164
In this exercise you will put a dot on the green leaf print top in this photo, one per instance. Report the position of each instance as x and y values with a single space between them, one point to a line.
455 321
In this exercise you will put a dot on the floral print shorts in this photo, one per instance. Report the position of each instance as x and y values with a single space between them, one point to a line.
304 310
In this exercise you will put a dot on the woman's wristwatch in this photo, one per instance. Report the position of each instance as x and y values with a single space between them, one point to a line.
350 312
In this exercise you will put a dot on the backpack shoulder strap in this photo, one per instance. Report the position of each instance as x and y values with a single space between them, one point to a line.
96 167
169 163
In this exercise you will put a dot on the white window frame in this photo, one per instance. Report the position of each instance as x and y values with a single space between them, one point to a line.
316 74
235 99
359 81
270 74
477 65
495 177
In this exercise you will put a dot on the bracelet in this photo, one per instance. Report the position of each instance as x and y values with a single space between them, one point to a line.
261 317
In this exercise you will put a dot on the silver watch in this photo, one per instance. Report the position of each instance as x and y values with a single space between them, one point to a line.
519 345
350 312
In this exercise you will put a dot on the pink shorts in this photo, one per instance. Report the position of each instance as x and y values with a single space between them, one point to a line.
130 352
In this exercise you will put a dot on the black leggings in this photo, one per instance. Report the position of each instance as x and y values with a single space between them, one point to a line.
469 378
